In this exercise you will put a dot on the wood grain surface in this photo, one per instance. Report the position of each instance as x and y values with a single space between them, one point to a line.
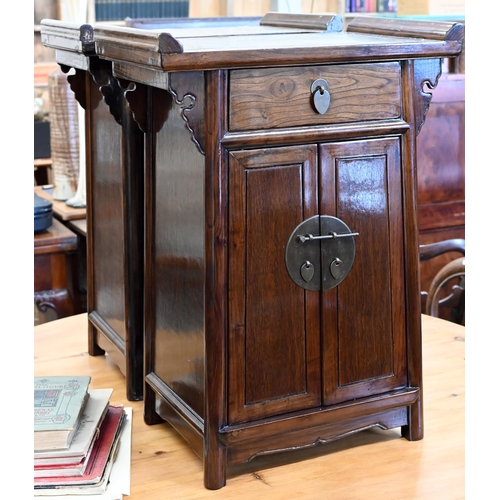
369 465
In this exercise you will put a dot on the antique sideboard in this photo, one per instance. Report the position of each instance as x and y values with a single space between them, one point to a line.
280 267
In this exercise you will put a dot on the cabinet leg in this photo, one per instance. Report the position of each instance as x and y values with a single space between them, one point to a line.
149 407
214 467
414 431
94 349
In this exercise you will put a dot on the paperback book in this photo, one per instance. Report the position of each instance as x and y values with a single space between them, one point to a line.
73 461
96 474
114 487
58 404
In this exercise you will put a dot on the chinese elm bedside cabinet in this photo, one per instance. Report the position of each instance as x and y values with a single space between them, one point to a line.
115 222
115 192
281 278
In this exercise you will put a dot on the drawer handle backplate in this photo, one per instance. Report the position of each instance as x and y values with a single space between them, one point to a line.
321 95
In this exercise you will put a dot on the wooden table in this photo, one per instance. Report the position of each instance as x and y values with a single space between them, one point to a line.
368 465
62 211
54 270
74 222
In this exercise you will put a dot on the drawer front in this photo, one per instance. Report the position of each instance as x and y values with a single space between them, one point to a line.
268 98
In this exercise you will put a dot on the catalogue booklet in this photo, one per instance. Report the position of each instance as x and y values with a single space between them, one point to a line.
73 459
114 486
99 465
58 404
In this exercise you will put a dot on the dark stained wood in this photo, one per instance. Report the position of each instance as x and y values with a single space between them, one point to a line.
156 120
273 322
114 169
445 295
79 227
216 264
426 74
432 250
447 291
299 135
441 156
239 359
178 265
437 250
55 272
414 429
105 230
364 348
436 30
325 22
115 184
187 51
188 92
74 37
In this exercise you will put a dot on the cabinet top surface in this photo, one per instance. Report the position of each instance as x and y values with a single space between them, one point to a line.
219 44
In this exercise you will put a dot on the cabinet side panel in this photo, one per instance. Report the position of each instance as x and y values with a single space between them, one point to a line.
107 217
179 262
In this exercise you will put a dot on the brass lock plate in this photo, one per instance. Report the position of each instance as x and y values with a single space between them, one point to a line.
320 252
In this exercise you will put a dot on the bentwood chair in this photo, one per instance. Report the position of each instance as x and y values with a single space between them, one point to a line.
447 289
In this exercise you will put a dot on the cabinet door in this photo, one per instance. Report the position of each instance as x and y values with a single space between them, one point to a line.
363 318
273 324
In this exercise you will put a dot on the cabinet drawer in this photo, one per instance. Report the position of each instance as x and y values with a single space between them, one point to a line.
281 97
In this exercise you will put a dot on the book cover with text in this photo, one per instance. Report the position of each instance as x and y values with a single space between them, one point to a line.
58 405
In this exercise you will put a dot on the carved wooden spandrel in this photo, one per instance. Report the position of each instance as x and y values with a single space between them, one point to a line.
102 74
188 90
135 94
426 75
77 83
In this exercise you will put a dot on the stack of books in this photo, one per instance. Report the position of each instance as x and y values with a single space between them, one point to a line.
76 438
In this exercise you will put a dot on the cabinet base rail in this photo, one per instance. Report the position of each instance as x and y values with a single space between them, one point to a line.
304 429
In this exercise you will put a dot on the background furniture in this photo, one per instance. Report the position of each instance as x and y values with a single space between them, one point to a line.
55 272
441 172
372 464
446 295
79 227
452 275
75 220
62 212
115 196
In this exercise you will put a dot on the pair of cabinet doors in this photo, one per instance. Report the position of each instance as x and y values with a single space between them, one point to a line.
291 348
